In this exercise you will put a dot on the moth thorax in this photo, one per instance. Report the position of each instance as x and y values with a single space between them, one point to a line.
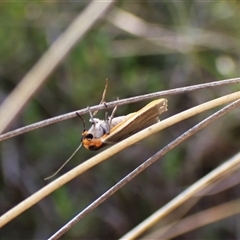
99 127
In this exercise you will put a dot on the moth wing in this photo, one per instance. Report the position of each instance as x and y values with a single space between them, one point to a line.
137 121
117 120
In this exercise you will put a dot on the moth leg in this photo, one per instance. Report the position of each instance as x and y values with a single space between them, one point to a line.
91 116
108 120
103 96
112 115
108 125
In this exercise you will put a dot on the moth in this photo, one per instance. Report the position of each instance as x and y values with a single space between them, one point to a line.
112 130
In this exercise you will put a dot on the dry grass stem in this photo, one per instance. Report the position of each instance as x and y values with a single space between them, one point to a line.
143 166
166 40
203 218
184 196
11 214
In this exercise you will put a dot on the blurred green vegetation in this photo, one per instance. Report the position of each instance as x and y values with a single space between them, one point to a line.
201 45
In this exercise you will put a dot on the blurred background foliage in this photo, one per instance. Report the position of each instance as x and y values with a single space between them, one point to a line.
141 47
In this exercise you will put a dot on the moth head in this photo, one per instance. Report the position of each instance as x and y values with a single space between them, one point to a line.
89 142
87 136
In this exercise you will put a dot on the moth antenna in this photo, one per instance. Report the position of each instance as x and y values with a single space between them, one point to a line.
64 163
84 129
84 126
103 96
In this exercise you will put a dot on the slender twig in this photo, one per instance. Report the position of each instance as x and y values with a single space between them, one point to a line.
143 166
116 103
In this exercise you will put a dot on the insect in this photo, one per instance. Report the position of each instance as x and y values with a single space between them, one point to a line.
113 130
